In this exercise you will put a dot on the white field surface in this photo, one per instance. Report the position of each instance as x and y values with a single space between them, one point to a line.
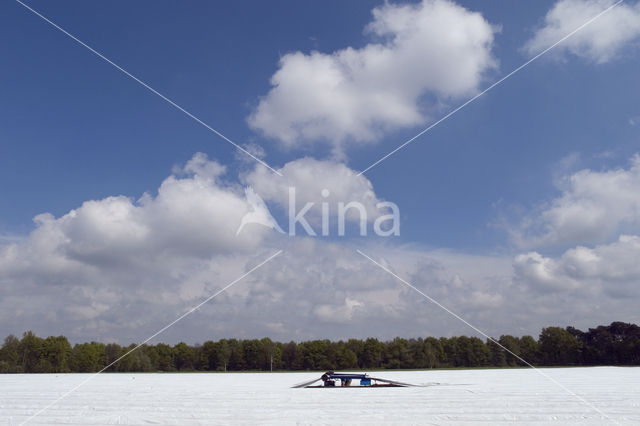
462 397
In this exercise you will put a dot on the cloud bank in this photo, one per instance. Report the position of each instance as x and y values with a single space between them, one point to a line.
118 269
596 220
116 265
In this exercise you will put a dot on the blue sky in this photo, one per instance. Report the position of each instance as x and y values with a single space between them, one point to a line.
76 129
82 130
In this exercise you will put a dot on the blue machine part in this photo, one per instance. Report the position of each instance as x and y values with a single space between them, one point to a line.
347 376
365 382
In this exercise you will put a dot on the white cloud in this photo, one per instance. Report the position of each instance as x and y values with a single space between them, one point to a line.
434 48
125 243
540 271
600 41
117 267
315 289
311 180
610 269
594 206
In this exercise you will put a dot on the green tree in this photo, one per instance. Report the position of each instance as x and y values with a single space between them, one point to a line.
529 350
357 347
450 351
558 347
372 351
224 354
87 357
183 356
54 355
314 355
10 355
269 350
477 353
134 360
251 350
165 357
209 356
345 358
292 356
30 350
513 352
434 353
112 351
496 354
236 355
398 354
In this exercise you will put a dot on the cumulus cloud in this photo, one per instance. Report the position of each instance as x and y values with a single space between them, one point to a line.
433 49
119 269
594 206
315 289
109 258
598 217
610 269
317 182
600 41
120 264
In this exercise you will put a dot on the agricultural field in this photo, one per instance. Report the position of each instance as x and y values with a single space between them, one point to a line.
449 397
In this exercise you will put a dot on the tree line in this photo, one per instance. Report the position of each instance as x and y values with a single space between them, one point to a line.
615 344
